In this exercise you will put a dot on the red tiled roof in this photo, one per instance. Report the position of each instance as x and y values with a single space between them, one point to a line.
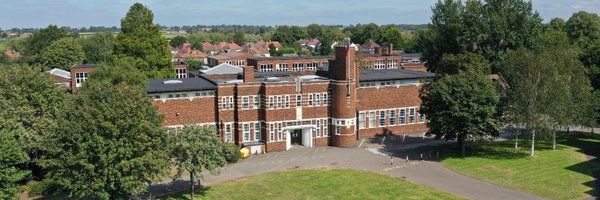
369 45
209 47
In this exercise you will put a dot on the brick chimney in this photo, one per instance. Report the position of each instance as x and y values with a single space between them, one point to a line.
377 50
248 74
390 48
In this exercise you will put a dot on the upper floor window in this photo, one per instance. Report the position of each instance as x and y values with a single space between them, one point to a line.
298 100
380 64
245 102
392 64
312 66
298 67
181 73
80 77
266 67
282 67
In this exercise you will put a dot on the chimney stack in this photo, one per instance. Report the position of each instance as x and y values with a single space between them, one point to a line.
390 48
248 74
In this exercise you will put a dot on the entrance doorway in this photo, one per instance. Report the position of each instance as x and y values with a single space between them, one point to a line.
296 136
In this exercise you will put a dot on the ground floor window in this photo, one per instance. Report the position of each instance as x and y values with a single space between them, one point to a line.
228 133
271 132
411 115
361 120
372 123
325 127
402 116
392 117
246 132
318 129
382 118
257 131
279 131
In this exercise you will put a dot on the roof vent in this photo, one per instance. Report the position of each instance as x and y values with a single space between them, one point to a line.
172 82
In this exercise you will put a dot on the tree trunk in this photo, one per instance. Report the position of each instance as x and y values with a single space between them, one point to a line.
568 131
461 144
192 184
517 140
554 141
532 142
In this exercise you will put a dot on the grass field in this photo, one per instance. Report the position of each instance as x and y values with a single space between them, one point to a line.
564 173
317 184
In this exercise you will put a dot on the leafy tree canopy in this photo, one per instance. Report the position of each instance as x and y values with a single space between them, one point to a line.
467 62
42 39
392 35
141 39
583 28
98 47
62 54
112 144
461 106
177 41
11 155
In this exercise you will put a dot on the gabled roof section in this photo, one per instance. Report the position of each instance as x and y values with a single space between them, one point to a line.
392 74
180 85
223 69
60 73
369 45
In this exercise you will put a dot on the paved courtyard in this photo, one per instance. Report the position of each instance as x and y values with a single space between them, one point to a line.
423 172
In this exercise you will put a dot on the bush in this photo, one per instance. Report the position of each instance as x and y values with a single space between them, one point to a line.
233 153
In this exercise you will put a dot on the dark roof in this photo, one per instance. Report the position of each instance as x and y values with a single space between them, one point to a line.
271 73
186 84
291 58
411 55
392 74
85 66
381 55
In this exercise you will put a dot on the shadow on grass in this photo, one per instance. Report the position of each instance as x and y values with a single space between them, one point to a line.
589 145
178 189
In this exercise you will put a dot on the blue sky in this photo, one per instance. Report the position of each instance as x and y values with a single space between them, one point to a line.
78 13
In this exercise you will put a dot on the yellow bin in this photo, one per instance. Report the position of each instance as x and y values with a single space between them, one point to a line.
245 152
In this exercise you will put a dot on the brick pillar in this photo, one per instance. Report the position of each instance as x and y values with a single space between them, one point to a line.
343 96
248 74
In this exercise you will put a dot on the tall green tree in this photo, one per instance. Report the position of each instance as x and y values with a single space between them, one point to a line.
30 106
583 28
289 35
11 155
98 47
141 39
392 35
461 106
467 62
196 149
591 59
42 39
545 85
314 30
490 28
62 54
557 24
363 33
177 41
111 145
239 37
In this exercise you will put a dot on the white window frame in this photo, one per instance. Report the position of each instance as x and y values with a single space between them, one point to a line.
372 119
310 100
392 64
379 64
246 132
245 102
312 66
181 73
392 117
299 100
224 103
297 66
325 99
412 115
325 127
362 117
228 132
256 102
272 132
279 102
231 103
318 128
271 102
257 131
402 116
80 77
279 131
286 101
317 99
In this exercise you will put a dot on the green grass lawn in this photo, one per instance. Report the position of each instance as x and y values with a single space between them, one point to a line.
317 184
564 173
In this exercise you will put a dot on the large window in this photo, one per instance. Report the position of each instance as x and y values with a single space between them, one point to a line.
361 120
224 103
271 132
421 117
282 67
287 101
392 117
298 67
80 77
392 64
231 102
380 64
266 67
228 133
372 122
382 118
312 66
317 99
325 127
325 99
181 73
257 131
271 102
402 116
279 131
246 132
241 63
256 102
298 100
325 65
310 100
411 115
279 102
245 102
318 129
